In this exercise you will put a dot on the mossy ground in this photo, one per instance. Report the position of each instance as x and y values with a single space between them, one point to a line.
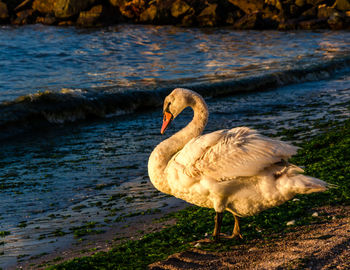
326 156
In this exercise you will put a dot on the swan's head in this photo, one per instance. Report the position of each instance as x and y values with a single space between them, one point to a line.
175 103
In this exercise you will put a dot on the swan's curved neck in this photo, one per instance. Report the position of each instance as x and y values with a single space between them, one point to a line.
162 154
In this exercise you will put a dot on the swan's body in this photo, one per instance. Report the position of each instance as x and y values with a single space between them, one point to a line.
237 170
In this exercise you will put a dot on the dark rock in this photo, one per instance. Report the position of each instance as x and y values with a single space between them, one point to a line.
287 10
248 21
164 15
11 5
300 3
130 9
301 23
67 8
24 17
48 20
255 21
180 8
149 14
66 23
309 13
26 4
241 14
90 17
99 15
188 20
294 11
249 6
338 21
277 4
292 24
114 3
44 6
342 5
208 16
230 18
325 12
271 10
315 2
4 15
117 3
227 13
313 24
183 13
199 5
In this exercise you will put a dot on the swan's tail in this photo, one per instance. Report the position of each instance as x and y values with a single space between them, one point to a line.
293 181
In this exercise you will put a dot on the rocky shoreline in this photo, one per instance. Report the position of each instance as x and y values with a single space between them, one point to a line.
239 14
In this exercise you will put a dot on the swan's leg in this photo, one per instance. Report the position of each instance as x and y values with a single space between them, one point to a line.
236 230
217 228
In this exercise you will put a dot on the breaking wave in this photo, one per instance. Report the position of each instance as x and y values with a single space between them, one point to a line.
70 105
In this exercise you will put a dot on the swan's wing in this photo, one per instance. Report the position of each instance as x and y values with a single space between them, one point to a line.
227 154
195 149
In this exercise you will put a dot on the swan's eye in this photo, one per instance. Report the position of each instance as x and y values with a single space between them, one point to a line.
167 107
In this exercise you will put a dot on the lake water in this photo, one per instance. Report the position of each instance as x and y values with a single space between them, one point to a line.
80 113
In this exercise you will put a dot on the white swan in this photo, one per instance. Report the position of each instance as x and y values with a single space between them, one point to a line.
237 170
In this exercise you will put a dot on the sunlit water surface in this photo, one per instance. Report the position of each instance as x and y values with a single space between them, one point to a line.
127 57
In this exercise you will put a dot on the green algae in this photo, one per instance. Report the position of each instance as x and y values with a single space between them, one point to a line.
4 233
86 229
22 224
79 207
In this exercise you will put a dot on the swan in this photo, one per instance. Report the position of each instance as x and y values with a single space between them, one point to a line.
235 170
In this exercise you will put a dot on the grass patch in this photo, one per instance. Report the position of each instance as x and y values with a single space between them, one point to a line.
117 196
85 230
22 224
326 157
57 259
79 207
4 233
58 233
21 256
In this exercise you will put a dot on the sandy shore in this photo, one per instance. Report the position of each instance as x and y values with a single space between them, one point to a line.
324 245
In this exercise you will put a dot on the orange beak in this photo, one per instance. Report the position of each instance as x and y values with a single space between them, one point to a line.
167 118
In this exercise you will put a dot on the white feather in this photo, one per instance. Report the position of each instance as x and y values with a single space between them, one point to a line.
230 153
